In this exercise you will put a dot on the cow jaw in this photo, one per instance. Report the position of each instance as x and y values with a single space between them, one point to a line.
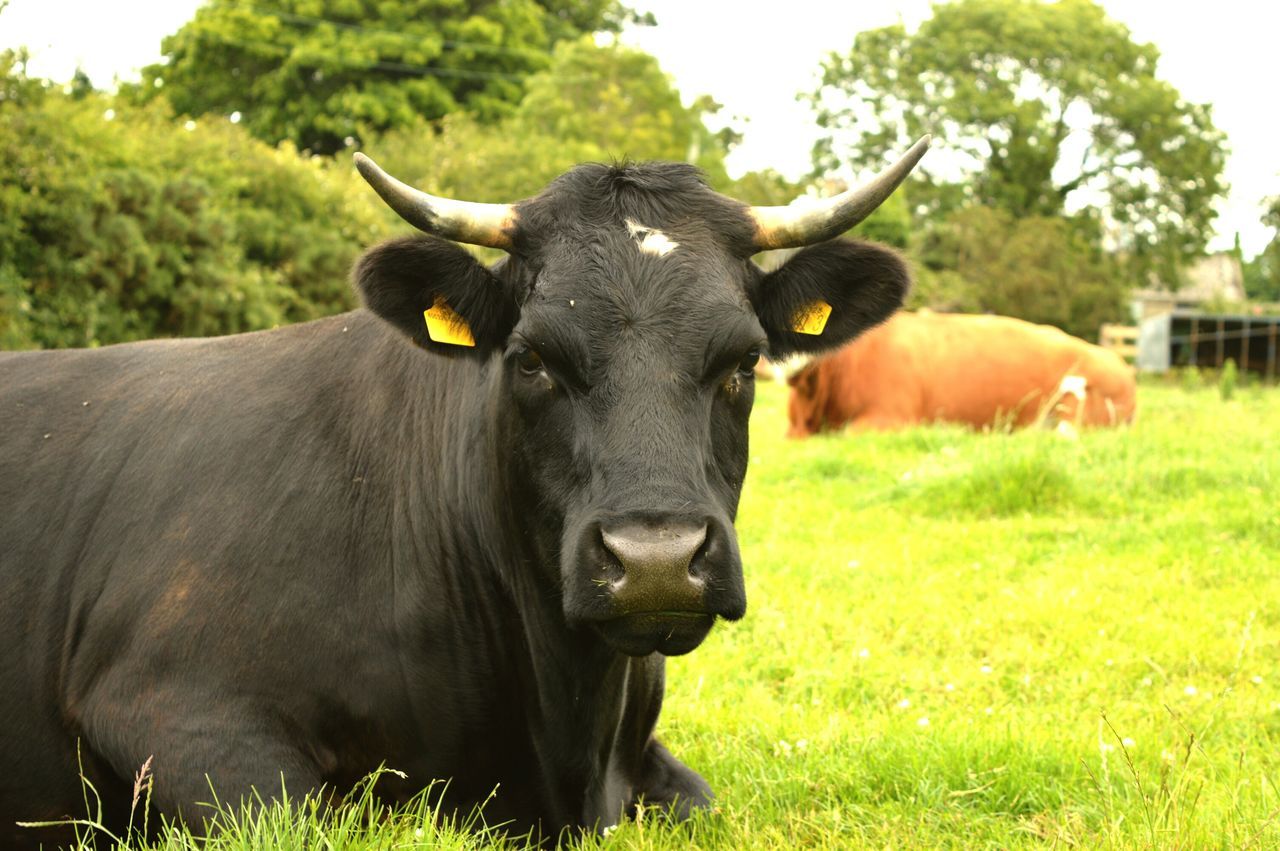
668 633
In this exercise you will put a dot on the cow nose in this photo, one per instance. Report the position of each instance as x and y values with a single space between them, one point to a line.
656 562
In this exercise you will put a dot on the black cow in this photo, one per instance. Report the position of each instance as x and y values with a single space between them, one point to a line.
315 550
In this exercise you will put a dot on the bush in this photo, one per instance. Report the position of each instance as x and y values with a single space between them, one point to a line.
121 224
1227 380
1050 270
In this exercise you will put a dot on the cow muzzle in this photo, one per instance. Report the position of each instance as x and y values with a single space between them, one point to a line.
658 585
656 562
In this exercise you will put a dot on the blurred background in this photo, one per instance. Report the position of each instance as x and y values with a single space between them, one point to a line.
183 168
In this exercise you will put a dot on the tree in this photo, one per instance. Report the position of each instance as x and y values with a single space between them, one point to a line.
767 187
1046 269
593 104
619 99
1036 105
596 103
1262 273
321 72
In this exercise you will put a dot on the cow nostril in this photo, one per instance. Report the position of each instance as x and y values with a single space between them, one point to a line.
664 552
706 553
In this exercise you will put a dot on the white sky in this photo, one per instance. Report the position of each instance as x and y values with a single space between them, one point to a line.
755 63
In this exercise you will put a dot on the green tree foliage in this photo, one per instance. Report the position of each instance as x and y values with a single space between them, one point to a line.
593 104
1030 102
890 224
466 159
119 223
1262 273
319 72
621 101
1044 269
766 187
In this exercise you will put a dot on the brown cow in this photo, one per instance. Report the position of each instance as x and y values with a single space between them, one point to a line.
979 370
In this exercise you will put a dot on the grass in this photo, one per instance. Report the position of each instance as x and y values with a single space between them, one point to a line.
961 640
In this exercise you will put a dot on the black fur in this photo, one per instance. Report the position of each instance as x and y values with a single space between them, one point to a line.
316 550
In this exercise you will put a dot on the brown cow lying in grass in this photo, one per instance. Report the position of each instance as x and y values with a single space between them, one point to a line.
983 371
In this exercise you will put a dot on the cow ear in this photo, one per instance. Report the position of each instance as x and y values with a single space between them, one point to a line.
437 294
828 294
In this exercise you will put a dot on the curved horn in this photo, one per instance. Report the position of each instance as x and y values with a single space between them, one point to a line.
806 223
461 221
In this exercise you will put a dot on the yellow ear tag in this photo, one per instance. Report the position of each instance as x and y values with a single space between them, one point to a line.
811 318
446 326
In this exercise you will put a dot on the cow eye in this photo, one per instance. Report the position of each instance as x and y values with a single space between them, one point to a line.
747 365
529 361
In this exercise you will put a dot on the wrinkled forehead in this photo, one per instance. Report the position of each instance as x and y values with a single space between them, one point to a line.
673 287
635 263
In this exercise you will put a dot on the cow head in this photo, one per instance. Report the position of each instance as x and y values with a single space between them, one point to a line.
620 335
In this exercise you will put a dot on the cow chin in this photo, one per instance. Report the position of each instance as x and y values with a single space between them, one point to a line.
668 633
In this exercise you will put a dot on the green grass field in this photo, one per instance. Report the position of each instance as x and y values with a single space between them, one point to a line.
986 640
960 640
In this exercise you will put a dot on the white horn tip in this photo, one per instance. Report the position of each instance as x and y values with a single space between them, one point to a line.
362 162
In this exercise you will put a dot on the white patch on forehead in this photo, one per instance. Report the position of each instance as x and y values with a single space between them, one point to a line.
650 240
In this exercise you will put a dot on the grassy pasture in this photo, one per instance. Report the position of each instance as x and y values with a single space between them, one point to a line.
988 640
961 640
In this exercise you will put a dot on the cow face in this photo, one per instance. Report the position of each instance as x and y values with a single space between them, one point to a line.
621 334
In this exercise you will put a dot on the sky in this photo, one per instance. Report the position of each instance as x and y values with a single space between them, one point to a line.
756 62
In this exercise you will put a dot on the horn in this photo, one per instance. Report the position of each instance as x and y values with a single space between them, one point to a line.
803 223
461 221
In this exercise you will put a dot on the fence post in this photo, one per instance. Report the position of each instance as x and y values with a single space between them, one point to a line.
1244 346
1271 351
